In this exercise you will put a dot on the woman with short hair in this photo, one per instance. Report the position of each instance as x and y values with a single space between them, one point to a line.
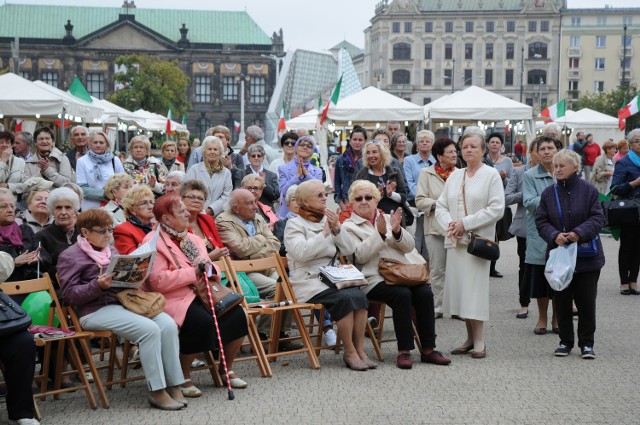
169 161
115 190
47 161
603 167
37 215
298 170
138 209
270 192
141 166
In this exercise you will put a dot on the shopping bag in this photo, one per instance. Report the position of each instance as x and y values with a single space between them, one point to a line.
560 266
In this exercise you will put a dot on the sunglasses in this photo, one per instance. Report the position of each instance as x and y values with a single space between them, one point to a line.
289 143
360 198
103 231
256 155
305 145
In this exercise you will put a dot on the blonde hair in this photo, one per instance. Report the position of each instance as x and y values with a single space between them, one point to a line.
306 190
140 139
93 135
168 143
384 153
250 178
133 197
425 134
115 182
359 185
570 155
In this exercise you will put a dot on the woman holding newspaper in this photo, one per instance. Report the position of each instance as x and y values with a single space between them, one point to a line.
85 285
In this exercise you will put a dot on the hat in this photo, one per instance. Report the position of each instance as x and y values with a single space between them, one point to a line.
36 183
6 266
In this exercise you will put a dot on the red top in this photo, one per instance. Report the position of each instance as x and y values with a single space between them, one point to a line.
268 212
210 230
591 152
127 237
518 149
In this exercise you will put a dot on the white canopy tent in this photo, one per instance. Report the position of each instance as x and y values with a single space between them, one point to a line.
80 109
307 120
21 98
154 122
113 113
602 126
374 105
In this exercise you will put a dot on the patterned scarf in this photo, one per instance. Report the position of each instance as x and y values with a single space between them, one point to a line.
311 215
187 246
444 174
97 160
216 167
350 159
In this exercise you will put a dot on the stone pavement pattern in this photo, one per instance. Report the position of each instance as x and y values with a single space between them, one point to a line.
520 381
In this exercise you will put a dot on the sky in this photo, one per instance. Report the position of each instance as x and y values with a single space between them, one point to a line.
306 24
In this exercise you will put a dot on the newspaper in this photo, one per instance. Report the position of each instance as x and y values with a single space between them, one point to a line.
130 271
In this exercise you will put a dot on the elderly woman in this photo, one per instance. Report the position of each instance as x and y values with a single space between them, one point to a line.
430 185
169 161
347 166
86 286
140 165
299 170
398 147
389 180
184 151
270 192
255 185
213 173
37 215
472 200
175 270
287 141
11 166
173 182
115 190
94 169
138 209
377 236
623 149
194 194
626 179
232 161
569 212
48 162
311 240
603 167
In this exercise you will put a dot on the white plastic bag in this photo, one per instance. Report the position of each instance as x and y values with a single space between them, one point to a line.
560 266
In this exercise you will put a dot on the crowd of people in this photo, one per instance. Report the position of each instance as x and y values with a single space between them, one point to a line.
415 203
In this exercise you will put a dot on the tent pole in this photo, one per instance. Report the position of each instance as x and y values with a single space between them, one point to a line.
62 132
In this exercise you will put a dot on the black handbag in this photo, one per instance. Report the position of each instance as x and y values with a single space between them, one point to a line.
502 226
621 212
13 318
478 246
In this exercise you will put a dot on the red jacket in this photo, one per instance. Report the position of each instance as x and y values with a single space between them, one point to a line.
127 237
210 230
591 152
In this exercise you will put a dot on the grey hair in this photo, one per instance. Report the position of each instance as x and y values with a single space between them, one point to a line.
26 136
77 189
425 134
182 176
6 192
256 148
290 193
550 125
255 132
63 194
475 130
575 159
633 133
216 140
77 127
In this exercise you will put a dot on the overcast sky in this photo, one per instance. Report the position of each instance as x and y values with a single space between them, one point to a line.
308 24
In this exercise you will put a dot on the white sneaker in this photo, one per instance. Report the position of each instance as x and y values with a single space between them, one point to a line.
197 363
330 338
27 421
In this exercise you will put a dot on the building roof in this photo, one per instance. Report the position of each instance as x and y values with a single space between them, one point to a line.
205 26
352 49
471 5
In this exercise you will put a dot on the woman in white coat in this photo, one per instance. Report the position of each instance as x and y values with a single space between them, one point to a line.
478 190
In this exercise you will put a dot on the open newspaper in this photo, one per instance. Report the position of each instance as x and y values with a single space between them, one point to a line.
130 271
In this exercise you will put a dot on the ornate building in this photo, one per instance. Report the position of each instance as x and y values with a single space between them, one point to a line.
216 50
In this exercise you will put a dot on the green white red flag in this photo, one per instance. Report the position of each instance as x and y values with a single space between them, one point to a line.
282 125
169 115
334 101
632 108
554 111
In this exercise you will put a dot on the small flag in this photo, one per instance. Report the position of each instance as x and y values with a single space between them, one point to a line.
77 89
334 101
236 126
169 116
631 108
18 126
554 112
282 126
184 119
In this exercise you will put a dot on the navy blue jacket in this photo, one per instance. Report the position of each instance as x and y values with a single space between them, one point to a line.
624 172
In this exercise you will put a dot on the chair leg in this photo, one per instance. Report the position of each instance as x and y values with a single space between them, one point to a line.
59 368
306 340
258 349
213 369
84 344
374 341
77 363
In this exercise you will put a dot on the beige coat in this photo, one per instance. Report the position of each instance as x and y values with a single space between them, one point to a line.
59 171
600 166
12 174
242 246
370 247
307 250
430 186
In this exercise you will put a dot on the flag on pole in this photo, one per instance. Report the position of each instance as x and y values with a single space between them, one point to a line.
236 126
184 119
631 108
77 89
334 101
319 109
282 126
18 126
554 112
169 117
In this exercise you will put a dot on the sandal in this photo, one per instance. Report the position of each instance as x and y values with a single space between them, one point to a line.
235 382
190 391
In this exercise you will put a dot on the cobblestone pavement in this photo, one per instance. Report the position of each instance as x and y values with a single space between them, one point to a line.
520 381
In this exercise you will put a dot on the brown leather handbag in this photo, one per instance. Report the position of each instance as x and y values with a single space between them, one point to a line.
147 304
396 273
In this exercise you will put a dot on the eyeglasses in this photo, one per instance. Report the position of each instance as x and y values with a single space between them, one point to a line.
631 142
360 198
256 155
289 143
103 231
321 195
146 203
254 188
194 198
305 145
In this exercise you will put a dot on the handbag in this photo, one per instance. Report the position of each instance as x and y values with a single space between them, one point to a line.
621 212
586 249
502 226
341 276
147 304
396 273
478 246
13 318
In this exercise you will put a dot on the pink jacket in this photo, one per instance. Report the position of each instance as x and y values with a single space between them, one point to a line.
173 282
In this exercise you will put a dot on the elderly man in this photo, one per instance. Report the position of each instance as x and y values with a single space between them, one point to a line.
173 182
255 135
23 140
247 236
80 142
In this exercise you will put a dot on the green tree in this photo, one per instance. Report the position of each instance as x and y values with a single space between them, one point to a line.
610 103
151 84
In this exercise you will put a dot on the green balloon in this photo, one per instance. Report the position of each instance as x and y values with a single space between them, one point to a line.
37 306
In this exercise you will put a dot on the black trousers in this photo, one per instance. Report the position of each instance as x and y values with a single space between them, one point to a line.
401 299
583 289
18 354
524 285
629 254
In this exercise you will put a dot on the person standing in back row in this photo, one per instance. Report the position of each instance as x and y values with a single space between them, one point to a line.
591 152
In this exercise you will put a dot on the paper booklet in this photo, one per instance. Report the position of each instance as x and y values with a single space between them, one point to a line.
132 270
342 272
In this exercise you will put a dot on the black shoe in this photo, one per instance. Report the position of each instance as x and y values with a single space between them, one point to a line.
496 273
633 291
522 315
625 292
562 351
588 353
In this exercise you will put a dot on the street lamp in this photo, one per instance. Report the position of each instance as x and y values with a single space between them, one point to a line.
242 78
540 95
521 73
277 60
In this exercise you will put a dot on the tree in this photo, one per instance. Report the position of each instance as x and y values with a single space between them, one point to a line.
151 84
610 103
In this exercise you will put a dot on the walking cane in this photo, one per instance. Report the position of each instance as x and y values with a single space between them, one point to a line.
215 320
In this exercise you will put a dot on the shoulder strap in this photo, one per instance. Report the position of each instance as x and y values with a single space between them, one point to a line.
555 190
464 197
113 163
175 259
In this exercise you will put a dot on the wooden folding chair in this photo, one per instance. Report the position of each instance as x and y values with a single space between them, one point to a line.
282 295
379 338
44 284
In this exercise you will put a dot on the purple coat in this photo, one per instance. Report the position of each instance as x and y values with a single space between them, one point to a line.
288 176
582 214
78 275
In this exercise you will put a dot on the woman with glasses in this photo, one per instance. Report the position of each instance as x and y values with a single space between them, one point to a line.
398 147
194 195
255 185
86 286
138 209
48 162
115 190
297 170
140 165
270 191
288 142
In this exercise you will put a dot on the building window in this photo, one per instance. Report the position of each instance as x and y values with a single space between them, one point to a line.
448 78
229 89
573 85
203 125
601 41
601 20
533 26
95 84
426 100
529 101
50 78
448 51
626 42
508 77
488 51
544 26
428 26
490 26
537 50
428 51
511 26
468 51
488 77
258 90
427 77
627 63
448 26
598 86
574 63
24 74
401 76
627 20
510 51
574 41
468 77
203 89
468 26
599 63
408 27
575 21
402 51
395 27
535 76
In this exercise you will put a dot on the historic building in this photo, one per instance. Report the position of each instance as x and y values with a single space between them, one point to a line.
219 51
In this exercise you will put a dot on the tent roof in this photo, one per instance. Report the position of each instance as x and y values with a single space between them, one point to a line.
588 118
73 105
372 104
307 120
154 122
22 98
476 103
